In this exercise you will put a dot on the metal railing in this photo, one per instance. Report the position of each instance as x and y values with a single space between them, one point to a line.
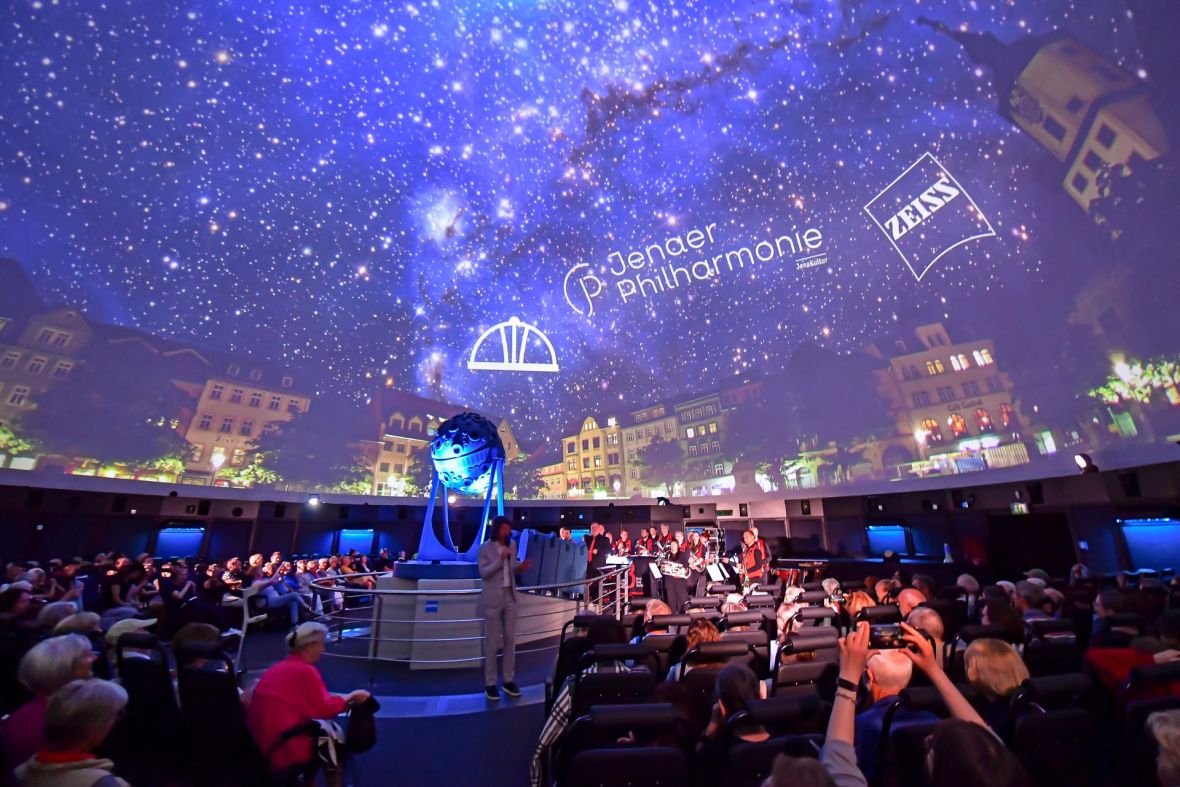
361 615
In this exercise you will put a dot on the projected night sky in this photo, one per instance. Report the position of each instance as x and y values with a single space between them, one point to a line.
363 188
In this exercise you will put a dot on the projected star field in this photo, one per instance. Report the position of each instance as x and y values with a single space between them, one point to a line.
361 189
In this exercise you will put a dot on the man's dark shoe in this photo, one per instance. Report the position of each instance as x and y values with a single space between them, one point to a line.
511 689
492 694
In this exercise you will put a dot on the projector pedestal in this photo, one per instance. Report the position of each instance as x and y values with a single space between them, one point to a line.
415 620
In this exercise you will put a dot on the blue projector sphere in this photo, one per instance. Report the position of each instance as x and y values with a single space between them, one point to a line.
464 450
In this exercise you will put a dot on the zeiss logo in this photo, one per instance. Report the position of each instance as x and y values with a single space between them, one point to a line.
926 213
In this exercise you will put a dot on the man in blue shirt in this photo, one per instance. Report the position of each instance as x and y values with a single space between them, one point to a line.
887 673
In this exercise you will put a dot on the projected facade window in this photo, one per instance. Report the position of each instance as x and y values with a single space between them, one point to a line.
932 431
958 425
1007 416
983 421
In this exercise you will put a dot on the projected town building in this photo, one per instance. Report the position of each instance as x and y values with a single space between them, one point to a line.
1092 115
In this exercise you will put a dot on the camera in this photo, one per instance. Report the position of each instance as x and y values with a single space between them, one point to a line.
887 637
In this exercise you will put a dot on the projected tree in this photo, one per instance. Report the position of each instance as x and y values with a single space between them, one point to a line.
832 403
115 408
317 449
522 480
661 462
419 473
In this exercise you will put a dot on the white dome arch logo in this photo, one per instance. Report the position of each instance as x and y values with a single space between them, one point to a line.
514 344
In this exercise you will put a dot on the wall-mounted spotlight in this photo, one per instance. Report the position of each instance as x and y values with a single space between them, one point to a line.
1085 463
663 501
313 500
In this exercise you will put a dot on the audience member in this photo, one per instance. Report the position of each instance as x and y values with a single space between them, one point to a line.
1031 601
925 584
1103 633
887 673
78 718
1004 615
909 598
84 623
928 621
856 601
700 631
736 685
1165 728
838 757
55 612
995 670
47 667
963 751
291 693
787 611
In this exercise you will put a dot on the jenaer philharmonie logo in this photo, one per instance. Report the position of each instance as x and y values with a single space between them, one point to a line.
926 213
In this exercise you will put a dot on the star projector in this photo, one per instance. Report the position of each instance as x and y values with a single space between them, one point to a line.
468 457
466 451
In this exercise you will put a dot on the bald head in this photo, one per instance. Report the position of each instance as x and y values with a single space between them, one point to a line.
908 599
926 619
889 672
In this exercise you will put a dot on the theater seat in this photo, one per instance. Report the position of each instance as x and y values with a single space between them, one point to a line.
1060 748
144 742
603 725
799 714
657 766
880 615
610 688
668 649
748 764
218 747
808 677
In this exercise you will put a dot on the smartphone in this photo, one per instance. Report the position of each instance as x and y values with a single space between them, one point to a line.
837 598
887 637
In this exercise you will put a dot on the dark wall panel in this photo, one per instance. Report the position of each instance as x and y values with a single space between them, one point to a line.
229 537
1096 526
846 535
272 535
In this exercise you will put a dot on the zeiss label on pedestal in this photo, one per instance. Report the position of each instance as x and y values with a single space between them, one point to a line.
926 213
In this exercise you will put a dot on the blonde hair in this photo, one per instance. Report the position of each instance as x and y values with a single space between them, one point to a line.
656 607
994 667
1165 728
856 601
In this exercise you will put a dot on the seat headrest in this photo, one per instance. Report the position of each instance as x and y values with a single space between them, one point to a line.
656 714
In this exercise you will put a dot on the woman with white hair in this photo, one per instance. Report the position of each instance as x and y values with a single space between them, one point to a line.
80 716
55 612
787 610
47 667
291 694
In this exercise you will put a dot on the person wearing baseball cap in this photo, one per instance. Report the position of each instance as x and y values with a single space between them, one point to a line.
1037 573
129 626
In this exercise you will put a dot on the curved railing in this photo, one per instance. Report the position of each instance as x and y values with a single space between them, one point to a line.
377 617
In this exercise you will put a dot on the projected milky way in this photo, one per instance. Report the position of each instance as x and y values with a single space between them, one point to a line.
362 188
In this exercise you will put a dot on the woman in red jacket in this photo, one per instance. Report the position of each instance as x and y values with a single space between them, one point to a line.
290 694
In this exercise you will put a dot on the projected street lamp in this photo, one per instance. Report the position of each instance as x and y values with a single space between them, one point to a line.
216 461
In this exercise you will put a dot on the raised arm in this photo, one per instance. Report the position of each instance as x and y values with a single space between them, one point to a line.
921 653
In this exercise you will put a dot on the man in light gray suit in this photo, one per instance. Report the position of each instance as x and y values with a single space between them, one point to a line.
498 567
